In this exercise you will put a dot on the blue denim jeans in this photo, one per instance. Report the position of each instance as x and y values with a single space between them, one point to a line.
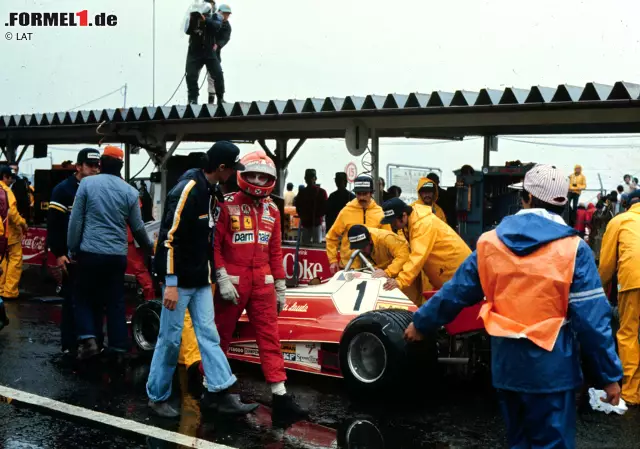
199 301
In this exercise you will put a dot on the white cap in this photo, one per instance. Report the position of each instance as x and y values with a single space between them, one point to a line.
547 183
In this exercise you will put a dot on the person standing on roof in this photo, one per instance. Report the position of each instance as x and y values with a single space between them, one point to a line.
311 207
97 239
544 306
577 183
222 38
436 249
202 26
60 207
17 226
248 265
619 257
338 199
362 210
428 196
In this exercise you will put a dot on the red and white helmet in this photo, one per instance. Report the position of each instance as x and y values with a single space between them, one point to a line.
259 175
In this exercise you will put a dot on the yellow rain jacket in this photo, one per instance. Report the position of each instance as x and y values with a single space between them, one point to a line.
436 209
351 214
580 181
436 249
390 252
620 250
16 222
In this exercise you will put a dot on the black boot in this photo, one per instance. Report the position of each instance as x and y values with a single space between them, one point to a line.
88 348
212 98
163 409
220 98
4 321
225 403
285 408
193 100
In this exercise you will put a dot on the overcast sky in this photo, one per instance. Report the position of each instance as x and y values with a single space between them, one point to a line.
302 48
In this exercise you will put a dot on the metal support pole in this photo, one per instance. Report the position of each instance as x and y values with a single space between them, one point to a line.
281 165
24 150
490 144
375 164
127 162
163 171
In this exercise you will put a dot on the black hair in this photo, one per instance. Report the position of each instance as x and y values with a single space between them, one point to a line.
620 189
613 196
110 165
635 180
434 177
289 186
395 191
626 176
537 203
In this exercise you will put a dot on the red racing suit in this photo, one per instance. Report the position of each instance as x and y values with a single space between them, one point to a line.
247 243
136 266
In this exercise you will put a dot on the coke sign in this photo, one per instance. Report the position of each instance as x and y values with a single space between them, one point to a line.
34 243
312 263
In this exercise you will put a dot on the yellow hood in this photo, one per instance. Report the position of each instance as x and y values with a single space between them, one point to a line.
420 184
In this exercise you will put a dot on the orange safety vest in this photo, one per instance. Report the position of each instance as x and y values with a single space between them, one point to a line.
528 296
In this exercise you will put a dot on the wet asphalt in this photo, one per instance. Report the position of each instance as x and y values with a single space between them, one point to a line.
451 412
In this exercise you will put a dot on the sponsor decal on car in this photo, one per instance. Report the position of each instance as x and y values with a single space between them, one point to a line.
295 307
307 353
289 352
243 237
235 222
236 350
251 351
247 349
248 223
390 305
263 237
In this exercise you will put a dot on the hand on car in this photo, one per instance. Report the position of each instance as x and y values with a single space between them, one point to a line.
378 273
412 334
334 267
170 298
390 284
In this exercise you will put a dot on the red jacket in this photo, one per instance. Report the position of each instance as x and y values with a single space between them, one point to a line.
248 234
581 220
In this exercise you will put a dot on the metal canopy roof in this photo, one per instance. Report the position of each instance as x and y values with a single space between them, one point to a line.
594 108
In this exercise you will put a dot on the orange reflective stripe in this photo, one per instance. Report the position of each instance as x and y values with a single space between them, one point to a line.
528 296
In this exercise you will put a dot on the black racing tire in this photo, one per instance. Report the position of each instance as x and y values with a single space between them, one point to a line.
145 325
374 355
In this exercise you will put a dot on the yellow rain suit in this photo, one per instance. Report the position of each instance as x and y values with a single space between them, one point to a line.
351 214
580 181
12 262
436 249
621 252
437 210
189 351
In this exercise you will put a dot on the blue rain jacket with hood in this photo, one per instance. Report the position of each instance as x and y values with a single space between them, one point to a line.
518 364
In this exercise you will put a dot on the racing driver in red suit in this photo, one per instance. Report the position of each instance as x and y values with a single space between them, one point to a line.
248 262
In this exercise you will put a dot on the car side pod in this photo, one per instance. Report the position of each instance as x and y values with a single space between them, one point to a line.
374 355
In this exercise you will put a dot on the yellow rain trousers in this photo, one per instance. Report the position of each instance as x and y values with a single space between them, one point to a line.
437 210
620 252
351 214
189 352
436 249
12 262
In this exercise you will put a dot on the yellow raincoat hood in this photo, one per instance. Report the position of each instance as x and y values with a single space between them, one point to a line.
436 209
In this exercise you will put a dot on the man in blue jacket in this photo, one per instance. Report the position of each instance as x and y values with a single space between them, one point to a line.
543 297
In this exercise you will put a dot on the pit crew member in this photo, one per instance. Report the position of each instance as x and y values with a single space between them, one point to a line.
428 196
436 249
542 291
60 206
250 273
362 210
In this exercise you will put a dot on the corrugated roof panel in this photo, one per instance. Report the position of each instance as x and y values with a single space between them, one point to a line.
22 121
540 94
224 110
464 98
488 97
70 117
440 99
595 92
240 108
276 107
625 91
258 108
566 92
417 100
34 121
374 102
294 106
12 121
208 111
353 103
3 124
313 105
332 104
395 101
514 95
58 117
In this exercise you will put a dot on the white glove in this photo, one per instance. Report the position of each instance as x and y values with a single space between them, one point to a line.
281 288
225 287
